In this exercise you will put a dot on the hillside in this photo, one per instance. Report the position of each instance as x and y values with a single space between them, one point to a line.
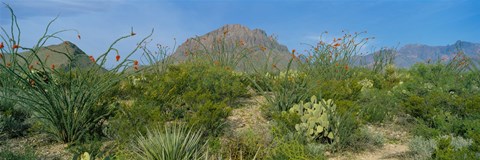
50 55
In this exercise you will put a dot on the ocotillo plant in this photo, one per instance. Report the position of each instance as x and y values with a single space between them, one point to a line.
66 100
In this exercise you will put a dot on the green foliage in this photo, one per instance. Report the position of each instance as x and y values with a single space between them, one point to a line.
200 95
195 83
422 148
348 124
173 143
282 89
449 147
377 105
286 149
247 144
316 117
210 116
12 120
92 149
9 155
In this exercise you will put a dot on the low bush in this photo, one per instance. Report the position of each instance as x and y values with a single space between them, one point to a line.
9 155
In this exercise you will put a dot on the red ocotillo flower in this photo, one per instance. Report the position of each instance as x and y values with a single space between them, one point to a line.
53 66
91 59
30 67
274 66
9 64
1 45
117 57
135 65
1 55
346 67
15 46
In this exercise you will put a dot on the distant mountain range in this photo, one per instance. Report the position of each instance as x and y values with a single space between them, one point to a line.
410 54
257 39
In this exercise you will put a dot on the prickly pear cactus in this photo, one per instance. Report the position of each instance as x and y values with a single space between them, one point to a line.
316 119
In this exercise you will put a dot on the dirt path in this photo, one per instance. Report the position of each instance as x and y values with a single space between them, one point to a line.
249 116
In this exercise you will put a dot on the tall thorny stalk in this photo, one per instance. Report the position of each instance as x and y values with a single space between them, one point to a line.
67 102
333 60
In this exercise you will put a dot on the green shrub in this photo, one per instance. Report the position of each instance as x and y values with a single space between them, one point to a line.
348 129
12 120
422 148
449 147
173 143
209 116
282 89
195 83
9 155
286 149
94 148
200 95
245 145
377 106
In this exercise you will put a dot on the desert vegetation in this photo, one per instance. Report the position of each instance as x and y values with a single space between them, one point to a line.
317 105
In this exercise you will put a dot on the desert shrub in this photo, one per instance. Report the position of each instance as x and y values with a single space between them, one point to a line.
422 148
348 126
195 83
28 154
12 120
348 89
443 147
172 143
199 95
210 116
282 89
246 144
93 149
449 147
376 106
284 148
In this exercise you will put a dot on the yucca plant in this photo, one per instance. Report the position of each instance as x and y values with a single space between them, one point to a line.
66 100
175 142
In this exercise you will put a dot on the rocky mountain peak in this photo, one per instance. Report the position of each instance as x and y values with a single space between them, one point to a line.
233 34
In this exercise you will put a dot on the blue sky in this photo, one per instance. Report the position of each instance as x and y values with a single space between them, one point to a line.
391 22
